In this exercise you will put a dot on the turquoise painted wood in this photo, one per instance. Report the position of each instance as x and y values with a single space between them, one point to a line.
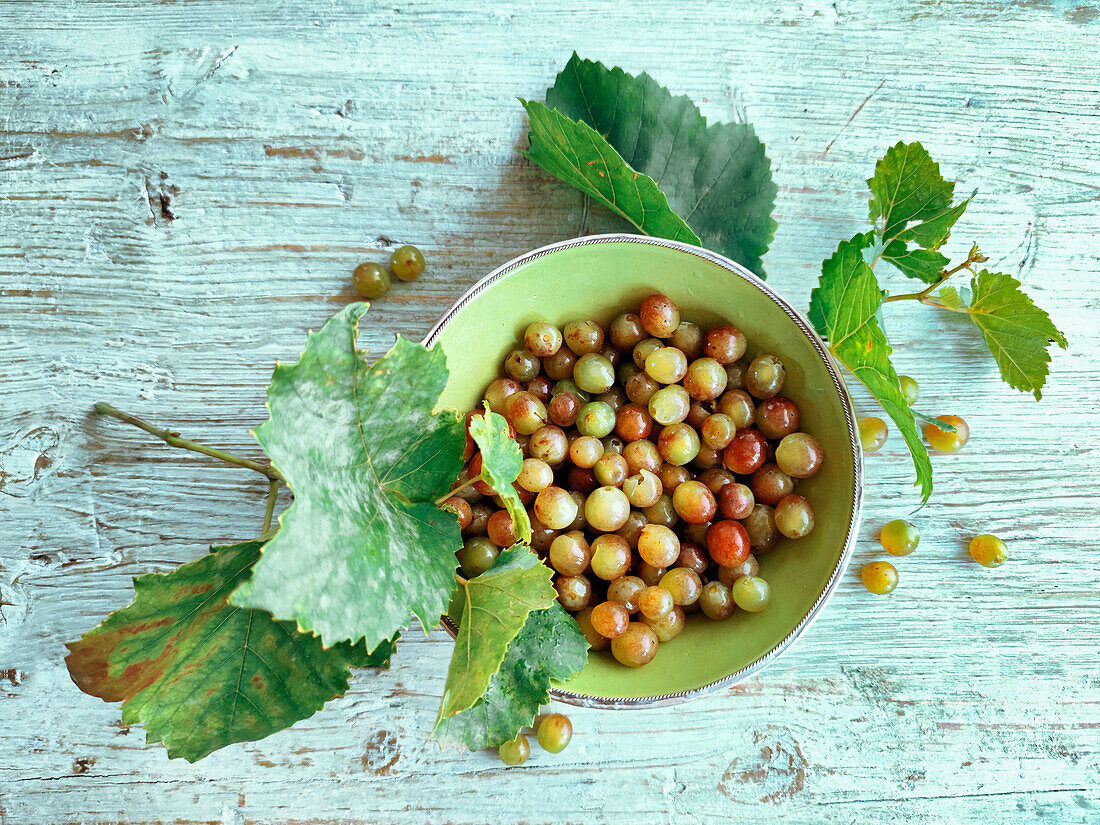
184 190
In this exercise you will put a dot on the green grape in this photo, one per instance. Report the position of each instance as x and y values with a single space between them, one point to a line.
655 602
678 443
684 584
694 502
626 591
594 373
549 444
535 475
672 476
794 516
611 470
583 337
640 388
669 626
658 545
880 577
596 419
910 389
371 280
765 376
522 365
669 405
737 404
584 622
585 451
649 574
636 646
556 508
716 601
748 567
760 525
705 379
643 488
568 385
770 483
751 593
407 263
642 455
642 351
666 365
718 431
515 752
569 553
872 433
735 375
944 440
688 338
632 529
614 398
610 557
477 555
555 731
626 332
574 592
988 550
607 509
898 537
497 393
525 411
542 338
609 619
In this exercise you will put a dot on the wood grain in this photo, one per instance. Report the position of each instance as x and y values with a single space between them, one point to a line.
184 190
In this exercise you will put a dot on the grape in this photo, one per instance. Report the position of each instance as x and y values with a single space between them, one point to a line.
477 555
407 263
610 556
596 419
642 351
649 574
693 557
496 394
778 417
583 337
751 593
636 646
642 455
633 422
570 386
582 479
627 370
516 751
555 508
716 601
746 453
735 501
697 413
655 602
678 443
728 543
694 502
707 459
541 535
611 470
549 444
542 338
944 440
694 534
570 554
461 509
705 379
684 585
607 509
525 412
764 377
522 365
988 550
718 431
735 375
640 388
799 455
626 591
594 373
479 520
371 280
614 398
658 545
555 731
794 516
500 529
725 344
584 622
669 626
716 478
574 592
626 332
666 365
613 444
910 389
872 433
769 484
760 525
880 577
559 366
737 404
540 387
585 451
749 567
659 315
610 619
662 512
898 537
580 522
688 338
669 404
672 476
632 529
564 409
642 488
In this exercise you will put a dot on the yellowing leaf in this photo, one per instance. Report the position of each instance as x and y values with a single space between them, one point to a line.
501 461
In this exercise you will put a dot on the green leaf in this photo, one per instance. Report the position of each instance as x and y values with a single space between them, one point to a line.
497 604
363 545
1016 331
923 264
843 306
501 461
939 422
575 153
718 178
201 674
550 647
950 298
912 199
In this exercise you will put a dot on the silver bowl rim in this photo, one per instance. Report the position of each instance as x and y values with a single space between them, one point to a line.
666 699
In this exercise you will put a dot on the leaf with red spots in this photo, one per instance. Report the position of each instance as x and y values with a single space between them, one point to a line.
200 673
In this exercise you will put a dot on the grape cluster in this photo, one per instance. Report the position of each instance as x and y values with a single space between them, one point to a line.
659 461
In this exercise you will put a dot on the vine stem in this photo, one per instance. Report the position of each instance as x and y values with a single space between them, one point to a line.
468 483
924 293
174 440
272 494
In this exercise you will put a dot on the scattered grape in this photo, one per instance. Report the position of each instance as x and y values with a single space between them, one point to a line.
898 537
371 280
407 263
880 577
988 550
944 440
872 433
515 752
555 732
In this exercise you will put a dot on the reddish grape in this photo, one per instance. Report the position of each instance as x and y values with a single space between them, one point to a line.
728 543
747 452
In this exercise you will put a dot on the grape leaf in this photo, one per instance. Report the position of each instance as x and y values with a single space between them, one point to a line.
923 264
501 461
363 545
497 604
1016 331
912 199
575 153
202 674
717 177
842 308
549 647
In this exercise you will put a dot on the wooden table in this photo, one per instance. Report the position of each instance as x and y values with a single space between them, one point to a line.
184 190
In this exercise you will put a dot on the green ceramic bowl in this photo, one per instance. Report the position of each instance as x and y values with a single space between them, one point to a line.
599 277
